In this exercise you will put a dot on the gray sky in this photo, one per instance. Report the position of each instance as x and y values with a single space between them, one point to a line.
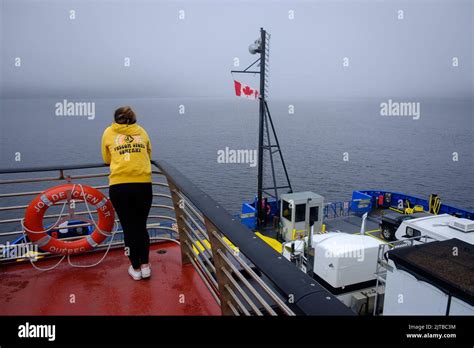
170 57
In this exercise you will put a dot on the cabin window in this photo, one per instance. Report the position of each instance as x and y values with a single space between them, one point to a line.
287 211
411 232
300 213
314 214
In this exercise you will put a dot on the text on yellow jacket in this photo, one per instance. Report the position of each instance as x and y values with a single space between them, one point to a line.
127 149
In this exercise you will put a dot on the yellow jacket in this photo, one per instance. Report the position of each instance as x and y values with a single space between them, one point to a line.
127 149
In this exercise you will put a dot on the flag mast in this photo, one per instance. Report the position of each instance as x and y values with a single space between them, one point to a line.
260 46
261 113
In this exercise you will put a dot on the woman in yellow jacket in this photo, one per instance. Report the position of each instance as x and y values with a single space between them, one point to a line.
127 148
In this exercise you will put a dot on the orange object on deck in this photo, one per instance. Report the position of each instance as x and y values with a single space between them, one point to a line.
380 200
34 214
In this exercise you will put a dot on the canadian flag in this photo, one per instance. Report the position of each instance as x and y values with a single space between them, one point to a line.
244 91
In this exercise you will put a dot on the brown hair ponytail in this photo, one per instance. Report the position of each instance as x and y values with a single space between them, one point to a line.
125 115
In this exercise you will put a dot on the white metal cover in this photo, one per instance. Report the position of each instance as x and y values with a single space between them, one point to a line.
343 259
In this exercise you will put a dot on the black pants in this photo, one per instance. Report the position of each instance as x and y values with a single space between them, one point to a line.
132 202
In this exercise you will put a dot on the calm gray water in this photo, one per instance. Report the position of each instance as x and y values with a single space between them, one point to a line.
392 153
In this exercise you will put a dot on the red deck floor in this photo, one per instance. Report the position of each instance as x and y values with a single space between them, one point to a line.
106 289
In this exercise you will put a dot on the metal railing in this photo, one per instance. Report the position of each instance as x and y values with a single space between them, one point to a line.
244 275
11 228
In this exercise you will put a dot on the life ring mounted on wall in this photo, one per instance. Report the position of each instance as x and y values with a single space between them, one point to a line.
34 214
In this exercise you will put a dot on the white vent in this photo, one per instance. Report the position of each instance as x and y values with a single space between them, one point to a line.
463 225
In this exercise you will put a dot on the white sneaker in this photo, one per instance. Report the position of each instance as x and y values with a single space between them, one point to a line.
146 271
137 275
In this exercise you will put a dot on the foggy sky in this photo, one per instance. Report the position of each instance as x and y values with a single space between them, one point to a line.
170 57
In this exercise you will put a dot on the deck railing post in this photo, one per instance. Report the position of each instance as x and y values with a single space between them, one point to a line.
178 205
219 263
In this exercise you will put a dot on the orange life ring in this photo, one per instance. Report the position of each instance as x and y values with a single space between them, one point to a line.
34 214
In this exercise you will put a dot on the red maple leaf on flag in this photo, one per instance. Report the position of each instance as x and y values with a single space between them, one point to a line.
242 90
247 90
